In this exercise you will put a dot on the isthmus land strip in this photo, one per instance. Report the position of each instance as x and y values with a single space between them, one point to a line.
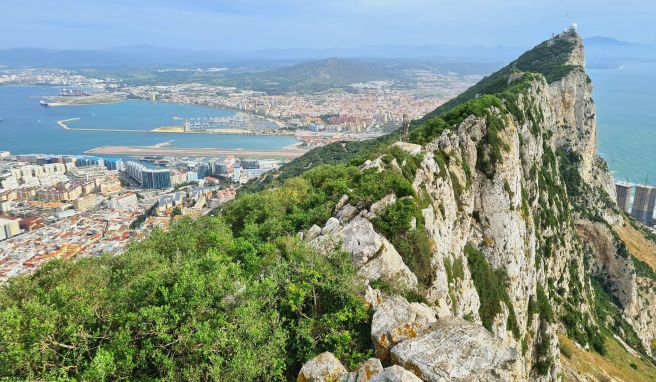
197 152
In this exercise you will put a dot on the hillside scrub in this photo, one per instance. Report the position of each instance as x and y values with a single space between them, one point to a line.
413 244
192 304
491 288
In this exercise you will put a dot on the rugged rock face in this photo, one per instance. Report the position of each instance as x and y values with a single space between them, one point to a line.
375 257
322 368
466 352
397 320
611 261
395 374
520 184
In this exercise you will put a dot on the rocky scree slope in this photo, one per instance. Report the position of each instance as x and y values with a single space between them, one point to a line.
505 239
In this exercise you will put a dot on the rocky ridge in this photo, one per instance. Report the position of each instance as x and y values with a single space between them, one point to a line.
518 209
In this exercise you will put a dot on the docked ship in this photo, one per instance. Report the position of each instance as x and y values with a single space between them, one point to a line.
43 103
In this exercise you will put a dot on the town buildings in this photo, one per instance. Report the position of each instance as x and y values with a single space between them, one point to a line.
623 191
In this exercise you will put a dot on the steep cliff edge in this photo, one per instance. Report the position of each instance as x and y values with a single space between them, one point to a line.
509 226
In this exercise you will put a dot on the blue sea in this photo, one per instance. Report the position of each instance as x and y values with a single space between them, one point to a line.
27 127
626 119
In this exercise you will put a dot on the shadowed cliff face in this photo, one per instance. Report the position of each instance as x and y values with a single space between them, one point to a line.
517 208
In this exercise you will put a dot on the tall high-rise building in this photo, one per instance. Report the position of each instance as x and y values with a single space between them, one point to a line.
134 170
89 161
250 163
219 168
643 204
623 191
156 178
149 178
8 228
203 170
114 163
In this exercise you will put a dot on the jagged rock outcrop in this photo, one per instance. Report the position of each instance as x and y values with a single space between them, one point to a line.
457 350
322 368
375 257
395 374
369 369
397 320
612 261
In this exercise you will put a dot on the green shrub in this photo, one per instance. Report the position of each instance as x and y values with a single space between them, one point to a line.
565 352
416 249
543 361
642 269
457 188
413 244
373 186
442 160
490 146
544 306
491 288
392 288
396 217
607 305
455 270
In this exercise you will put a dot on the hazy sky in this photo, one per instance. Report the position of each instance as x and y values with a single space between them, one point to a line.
260 24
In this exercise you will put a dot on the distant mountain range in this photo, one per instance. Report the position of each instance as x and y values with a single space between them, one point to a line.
152 55
601 51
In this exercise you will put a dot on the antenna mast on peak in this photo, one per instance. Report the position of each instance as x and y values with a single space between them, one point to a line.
405 128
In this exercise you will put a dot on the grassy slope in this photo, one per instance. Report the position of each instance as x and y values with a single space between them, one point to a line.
637 244
616 364
334 153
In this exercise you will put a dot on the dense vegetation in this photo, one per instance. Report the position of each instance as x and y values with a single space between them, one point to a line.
234 297
196 303
334 153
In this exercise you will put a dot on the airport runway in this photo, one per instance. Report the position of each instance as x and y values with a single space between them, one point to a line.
191 152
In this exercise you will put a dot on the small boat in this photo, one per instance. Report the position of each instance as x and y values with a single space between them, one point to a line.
43 103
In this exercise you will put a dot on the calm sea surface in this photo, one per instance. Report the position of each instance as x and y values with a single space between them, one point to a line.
28 127
626 119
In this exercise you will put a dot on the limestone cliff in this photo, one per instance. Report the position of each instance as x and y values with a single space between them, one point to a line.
517 209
